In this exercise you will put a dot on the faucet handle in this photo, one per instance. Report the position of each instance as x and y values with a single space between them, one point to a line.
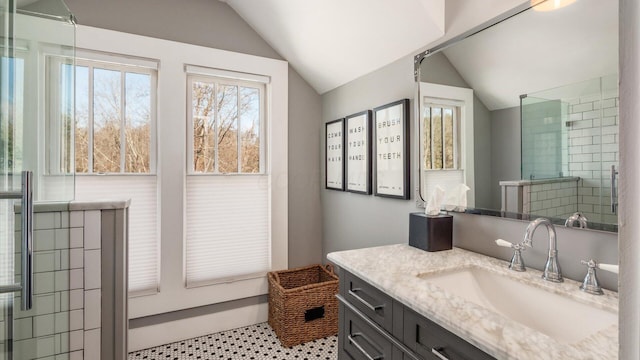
608 267
516 264
504 243
590 283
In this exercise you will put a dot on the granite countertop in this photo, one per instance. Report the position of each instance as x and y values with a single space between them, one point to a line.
394 269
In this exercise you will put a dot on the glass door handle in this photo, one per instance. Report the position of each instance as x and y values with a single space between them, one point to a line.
26 284
614 190
27 240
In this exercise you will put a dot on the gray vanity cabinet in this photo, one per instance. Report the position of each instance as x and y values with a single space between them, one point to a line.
361 341
370 301
373 325
427 339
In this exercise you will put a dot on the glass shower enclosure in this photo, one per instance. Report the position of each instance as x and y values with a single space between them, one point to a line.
36 164
570 148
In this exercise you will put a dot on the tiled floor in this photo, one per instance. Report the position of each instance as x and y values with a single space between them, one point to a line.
257 342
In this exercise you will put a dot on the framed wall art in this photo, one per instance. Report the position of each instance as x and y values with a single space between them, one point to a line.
334 155
391 143
358 152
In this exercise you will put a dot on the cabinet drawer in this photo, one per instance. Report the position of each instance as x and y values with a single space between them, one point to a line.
361 341
370 301
431 341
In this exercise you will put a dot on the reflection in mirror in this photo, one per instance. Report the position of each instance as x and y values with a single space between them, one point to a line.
544 115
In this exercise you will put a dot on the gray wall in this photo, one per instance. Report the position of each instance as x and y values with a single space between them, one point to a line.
505 150
629 331
482 153
355 220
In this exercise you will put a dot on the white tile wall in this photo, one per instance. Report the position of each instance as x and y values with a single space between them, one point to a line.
92 276
593 137
551 199
92 229
92 344
66 319
92 311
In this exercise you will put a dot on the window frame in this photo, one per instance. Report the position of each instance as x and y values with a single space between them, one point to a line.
264 122
85 59
454 106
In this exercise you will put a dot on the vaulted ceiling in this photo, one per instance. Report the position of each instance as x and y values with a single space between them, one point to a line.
332 42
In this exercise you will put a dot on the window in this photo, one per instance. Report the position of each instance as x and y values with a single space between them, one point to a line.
113 119
227 182
440 131
445 126
115 153
226 125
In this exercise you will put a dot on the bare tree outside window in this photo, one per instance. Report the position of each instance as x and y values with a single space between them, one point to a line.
82 120
227 107
226 128
113 121
250 127
439 129
137 123
107 103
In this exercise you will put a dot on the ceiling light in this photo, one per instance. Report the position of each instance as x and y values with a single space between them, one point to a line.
550 5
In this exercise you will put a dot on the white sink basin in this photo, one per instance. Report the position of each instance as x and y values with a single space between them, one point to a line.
562 318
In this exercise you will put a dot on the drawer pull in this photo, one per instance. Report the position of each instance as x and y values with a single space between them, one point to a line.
436 352
361 349
363 301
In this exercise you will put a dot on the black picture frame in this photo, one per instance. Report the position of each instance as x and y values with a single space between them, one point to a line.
391 154
334 165
358 152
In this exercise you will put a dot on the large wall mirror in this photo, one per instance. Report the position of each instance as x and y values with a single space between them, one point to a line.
539 134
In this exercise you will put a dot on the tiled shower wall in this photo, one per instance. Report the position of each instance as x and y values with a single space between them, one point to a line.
593 148
65 320
555 198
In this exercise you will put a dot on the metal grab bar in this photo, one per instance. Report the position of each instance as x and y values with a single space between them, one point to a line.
26 211
10 288
614 190
10 194
27 240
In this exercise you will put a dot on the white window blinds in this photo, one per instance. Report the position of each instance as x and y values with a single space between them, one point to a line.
143 221
227 228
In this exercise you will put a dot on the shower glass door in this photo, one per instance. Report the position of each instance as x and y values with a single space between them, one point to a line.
36 163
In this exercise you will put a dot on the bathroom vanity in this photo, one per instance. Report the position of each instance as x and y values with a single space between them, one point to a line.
398 302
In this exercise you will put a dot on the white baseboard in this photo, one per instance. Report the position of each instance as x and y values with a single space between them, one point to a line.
172 331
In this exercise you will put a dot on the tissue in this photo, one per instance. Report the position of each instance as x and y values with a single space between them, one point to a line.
435 201
457 198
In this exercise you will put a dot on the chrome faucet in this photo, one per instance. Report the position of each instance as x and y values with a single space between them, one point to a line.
552 270
577 216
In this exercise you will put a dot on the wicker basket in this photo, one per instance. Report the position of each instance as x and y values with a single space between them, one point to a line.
303 304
